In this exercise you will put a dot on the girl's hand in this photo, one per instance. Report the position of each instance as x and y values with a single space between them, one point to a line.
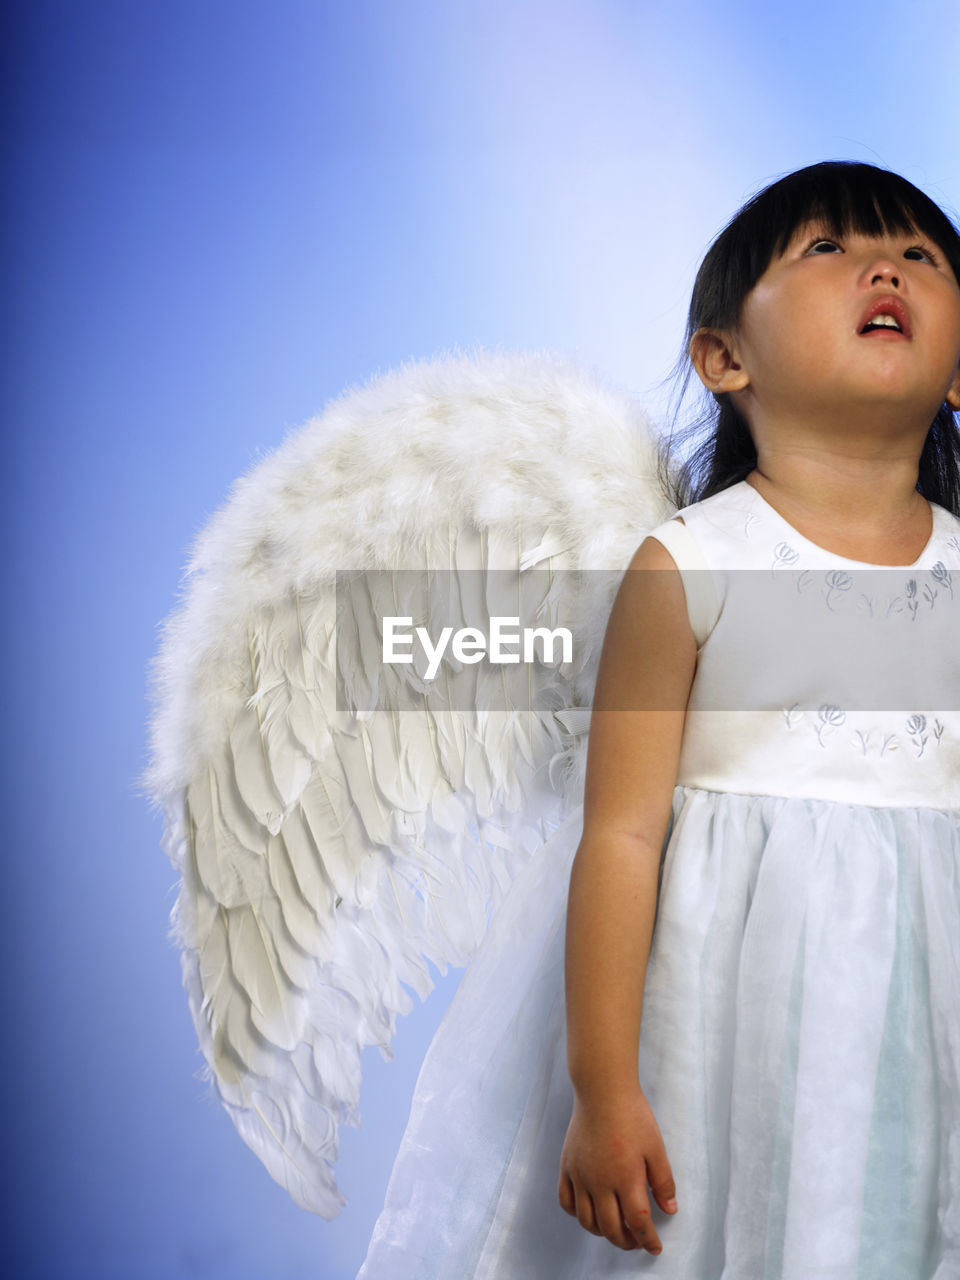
613 1149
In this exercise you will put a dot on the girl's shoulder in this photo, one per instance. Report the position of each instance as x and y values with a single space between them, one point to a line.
719 532
722 509
697 539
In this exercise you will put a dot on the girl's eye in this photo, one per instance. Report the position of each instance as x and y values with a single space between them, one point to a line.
824 246
918 253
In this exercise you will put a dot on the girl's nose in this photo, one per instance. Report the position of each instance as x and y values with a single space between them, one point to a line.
885 272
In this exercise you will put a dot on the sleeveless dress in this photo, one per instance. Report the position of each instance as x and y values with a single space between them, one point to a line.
800 1043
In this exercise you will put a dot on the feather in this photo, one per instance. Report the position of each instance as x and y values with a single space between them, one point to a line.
248 753
306 925
340 825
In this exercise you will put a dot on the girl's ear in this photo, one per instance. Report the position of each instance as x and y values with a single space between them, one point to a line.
953 395
714 356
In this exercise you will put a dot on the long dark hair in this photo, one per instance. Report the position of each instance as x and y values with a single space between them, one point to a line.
716 448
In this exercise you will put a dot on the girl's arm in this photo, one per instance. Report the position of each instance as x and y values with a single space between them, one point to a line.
613 1146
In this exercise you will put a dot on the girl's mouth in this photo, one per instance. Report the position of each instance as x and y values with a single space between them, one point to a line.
886 315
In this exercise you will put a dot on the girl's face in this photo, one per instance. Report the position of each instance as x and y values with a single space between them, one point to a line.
851 320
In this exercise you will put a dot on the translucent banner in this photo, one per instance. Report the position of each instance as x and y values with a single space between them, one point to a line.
871 640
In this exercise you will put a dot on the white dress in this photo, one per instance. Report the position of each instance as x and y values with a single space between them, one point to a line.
800 1045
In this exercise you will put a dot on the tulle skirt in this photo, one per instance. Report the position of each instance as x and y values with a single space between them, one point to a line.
800 1050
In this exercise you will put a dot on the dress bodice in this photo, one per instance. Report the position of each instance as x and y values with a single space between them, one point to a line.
818 675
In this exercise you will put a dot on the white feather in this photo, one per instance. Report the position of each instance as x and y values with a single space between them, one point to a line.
330 856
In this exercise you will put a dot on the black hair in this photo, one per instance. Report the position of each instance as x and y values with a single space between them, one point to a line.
843 196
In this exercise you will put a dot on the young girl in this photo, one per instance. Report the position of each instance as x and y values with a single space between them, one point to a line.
789 1104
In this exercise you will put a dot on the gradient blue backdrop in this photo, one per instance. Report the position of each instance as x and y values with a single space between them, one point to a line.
217 216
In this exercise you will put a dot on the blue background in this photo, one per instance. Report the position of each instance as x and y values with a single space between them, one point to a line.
217 216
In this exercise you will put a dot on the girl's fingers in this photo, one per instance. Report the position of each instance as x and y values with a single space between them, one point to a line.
586 1214
636 1217
625 1223
568 1201
660 1176
610 1221
620 1209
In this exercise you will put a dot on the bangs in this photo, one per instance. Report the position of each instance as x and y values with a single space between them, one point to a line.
856 199
841 196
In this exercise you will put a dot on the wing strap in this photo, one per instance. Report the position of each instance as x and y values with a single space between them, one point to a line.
703 604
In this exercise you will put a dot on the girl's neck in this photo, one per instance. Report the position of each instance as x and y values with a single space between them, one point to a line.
862 509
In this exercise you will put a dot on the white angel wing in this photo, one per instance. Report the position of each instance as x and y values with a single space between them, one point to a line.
329 856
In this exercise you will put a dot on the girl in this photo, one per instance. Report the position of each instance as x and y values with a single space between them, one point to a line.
793 1098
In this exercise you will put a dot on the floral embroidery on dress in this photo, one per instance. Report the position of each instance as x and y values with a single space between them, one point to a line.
940 573
830 717
783 554
929 594
865 604
869 733
870 741
917 729
887 741
837 581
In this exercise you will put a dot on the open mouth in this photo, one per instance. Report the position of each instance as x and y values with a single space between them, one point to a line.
882 322
886 315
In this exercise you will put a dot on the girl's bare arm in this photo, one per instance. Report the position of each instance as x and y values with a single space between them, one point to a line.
613 1147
